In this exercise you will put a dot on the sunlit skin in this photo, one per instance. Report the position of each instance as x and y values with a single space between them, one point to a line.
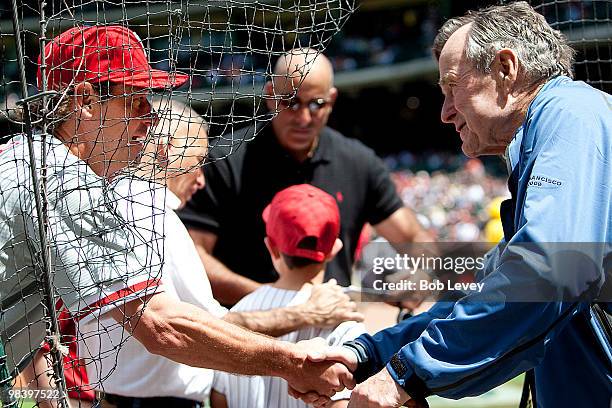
107 133
175 153
185 176
298 132
485 108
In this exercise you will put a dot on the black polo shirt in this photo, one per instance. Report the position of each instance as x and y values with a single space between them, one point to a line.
239 187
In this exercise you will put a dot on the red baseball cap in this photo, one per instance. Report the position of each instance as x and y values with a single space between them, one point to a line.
302 211
102 53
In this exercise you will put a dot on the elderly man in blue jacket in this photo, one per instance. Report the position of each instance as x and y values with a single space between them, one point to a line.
506 79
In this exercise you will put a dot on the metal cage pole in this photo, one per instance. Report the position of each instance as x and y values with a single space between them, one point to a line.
40 198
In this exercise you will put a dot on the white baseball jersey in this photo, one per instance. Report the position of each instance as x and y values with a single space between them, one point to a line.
98 259
135 372
272 392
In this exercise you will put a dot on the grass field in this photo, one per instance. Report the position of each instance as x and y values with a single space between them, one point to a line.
507 395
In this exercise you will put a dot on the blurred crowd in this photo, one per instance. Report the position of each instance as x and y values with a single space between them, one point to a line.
373 38
392 36
459 205
370 38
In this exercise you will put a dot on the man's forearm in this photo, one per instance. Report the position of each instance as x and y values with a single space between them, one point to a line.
274 322
328 306
228 287
402 227
186 334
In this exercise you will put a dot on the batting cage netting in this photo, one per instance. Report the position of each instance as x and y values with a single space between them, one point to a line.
588 28
113 82
100 98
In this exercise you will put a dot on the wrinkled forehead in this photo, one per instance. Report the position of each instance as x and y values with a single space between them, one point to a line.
193 155
187 149
452 57
309 89
180 136
286 85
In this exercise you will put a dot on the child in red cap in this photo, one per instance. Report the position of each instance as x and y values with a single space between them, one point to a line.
302 227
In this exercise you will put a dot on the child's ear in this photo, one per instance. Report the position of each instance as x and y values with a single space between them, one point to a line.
335 249
273 250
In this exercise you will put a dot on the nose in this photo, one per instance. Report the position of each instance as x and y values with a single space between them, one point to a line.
303 116
448 110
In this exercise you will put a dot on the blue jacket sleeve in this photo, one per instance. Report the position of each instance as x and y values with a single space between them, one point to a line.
384 344
490 337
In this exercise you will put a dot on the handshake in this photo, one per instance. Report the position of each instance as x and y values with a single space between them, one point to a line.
325 370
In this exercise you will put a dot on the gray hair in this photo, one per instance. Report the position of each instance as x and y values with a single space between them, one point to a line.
542 51
179 127
60 106
177 120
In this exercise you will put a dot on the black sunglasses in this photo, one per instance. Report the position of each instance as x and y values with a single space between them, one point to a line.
295 105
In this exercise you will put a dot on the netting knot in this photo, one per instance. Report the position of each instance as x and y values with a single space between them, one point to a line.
56 344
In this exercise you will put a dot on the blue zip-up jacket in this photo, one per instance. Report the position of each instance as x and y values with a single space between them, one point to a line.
561 160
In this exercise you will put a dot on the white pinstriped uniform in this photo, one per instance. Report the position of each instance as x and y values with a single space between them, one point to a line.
271 392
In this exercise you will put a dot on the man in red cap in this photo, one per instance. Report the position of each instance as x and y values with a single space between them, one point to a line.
103 79
302 228
100 117
102 263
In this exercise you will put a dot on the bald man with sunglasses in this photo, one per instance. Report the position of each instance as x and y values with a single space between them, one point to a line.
223 218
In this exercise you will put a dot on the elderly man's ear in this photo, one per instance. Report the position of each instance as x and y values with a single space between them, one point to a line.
85 99
505 68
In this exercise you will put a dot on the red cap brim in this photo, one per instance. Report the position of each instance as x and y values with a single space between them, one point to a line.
154 79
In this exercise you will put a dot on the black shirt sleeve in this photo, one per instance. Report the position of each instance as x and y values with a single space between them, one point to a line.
382 198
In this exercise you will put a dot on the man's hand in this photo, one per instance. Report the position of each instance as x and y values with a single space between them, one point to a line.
315 381
318 351
329 306
324 378
339 354
380 391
